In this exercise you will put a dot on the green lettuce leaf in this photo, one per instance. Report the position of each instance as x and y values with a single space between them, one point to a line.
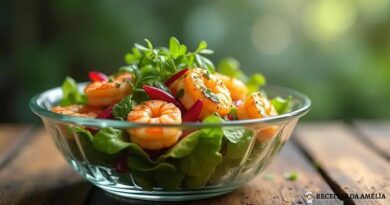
282 105
238 149
169 180
83 131
143 179
183 147
136 151
110 140
140 164
197 181
202 161
233 134
85 141
71 94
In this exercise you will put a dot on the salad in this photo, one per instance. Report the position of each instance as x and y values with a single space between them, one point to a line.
160 85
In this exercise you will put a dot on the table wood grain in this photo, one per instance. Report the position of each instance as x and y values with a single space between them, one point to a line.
329 157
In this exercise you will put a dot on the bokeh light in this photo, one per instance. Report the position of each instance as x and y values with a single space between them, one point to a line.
205 23
335 51
327 20
271 35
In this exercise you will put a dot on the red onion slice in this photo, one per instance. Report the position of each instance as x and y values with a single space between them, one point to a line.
175 77
121 164
157 94
106 114
193 113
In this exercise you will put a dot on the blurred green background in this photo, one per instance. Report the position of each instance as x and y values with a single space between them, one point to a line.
335 51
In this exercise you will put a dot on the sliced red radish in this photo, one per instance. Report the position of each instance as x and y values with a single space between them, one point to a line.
93 130
193 113
230 117
106 114
97 76
175 77
157 94
121 165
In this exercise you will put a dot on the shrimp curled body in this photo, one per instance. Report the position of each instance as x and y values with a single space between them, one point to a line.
258 106
77 110
199 84
105 93
238 90
155 112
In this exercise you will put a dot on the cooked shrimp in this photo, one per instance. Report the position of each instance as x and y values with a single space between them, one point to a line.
77 110
258 106
198 84
155 112
105 93
238 90
255 106
73 110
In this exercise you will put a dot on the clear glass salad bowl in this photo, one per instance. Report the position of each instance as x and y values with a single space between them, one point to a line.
217 172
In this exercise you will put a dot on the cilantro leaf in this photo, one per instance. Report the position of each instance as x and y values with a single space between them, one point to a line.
282 105
110 140
71 94
167 61
201 47
123 107
176 48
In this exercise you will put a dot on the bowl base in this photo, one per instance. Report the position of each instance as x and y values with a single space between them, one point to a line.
166 195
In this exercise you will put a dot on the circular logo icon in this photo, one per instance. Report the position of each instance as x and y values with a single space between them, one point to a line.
309 196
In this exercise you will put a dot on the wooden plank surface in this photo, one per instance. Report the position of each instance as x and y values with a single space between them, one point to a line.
350 165
260 190
11 137
37 173
376 134
40 175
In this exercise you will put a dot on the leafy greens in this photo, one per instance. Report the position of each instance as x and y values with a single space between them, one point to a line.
71 94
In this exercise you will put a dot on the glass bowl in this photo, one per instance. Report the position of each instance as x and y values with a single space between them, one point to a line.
230 167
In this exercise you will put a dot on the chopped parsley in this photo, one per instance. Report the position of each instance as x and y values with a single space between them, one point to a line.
210 95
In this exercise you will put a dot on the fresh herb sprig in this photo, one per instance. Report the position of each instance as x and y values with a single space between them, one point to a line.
154 65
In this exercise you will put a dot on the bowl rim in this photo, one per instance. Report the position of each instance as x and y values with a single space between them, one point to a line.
44 113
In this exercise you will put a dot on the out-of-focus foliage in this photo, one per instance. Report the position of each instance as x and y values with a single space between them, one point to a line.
335 51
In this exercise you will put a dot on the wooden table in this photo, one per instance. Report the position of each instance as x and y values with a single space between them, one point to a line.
329 157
